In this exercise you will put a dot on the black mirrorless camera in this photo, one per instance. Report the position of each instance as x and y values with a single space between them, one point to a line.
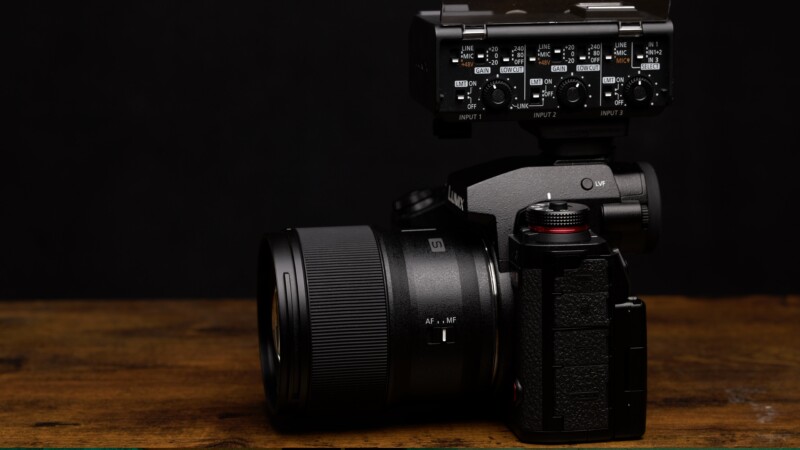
506 287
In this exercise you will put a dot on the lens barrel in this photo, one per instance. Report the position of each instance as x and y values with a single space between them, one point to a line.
355 320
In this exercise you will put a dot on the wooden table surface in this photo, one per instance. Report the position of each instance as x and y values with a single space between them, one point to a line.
152 373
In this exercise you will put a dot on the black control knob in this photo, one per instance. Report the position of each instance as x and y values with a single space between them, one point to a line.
497 94
572 93
416 201
557 214
638 92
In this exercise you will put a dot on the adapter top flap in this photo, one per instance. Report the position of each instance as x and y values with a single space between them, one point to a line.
506 12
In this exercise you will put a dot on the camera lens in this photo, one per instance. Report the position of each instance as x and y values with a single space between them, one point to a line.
355 320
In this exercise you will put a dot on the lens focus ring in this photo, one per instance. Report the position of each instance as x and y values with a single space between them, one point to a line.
348 317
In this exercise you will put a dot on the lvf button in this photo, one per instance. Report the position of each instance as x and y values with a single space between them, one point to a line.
587 184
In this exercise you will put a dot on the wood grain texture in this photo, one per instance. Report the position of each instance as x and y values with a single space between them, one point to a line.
722 372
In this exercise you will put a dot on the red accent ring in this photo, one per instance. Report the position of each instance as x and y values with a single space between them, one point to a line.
559 230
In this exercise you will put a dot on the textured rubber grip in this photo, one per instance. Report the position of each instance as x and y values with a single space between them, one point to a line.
528 351
562 355
348 318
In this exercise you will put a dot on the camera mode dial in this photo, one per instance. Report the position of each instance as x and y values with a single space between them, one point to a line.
557 217
572 93
638 92
497 94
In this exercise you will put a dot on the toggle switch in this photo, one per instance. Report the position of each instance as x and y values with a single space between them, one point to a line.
536 96
441 335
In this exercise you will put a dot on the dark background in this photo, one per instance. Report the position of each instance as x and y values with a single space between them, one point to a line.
153 142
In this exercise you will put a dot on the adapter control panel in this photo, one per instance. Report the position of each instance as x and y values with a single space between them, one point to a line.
552 79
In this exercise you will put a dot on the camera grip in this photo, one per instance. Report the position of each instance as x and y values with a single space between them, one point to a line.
562 320
527 409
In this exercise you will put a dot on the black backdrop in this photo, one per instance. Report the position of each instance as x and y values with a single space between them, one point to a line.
152 142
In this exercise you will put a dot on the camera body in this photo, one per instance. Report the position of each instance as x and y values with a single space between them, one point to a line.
577 339
508 283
